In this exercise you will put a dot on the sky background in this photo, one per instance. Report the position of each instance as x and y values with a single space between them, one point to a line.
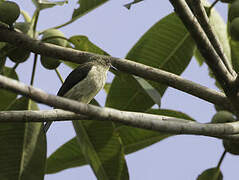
116 29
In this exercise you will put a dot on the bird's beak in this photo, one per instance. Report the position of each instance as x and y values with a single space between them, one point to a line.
112 68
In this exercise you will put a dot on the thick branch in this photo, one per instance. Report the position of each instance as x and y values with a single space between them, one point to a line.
140 120
201 15
211 57
138 69
203 43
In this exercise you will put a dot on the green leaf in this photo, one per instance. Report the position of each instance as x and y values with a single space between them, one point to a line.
7 97
102 149
44 4
107 87
150 90
211 174
135 139
23 147
167 45
219 27
82 43
85 7
128 5
70 155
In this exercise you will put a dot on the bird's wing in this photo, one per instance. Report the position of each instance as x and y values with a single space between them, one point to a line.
74 77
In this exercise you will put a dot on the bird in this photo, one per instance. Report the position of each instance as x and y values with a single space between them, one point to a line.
84 82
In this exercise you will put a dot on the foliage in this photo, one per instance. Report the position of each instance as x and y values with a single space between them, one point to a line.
167 45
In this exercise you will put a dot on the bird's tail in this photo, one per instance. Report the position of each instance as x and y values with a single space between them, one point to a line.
46 126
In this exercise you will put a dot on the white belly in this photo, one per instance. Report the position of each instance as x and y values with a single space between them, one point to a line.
86 90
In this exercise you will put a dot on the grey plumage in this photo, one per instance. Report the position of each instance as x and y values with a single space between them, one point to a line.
84 82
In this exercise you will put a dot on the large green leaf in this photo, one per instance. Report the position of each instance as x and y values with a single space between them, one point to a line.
7 97
22 147
70 155
167 45
135 139
102 149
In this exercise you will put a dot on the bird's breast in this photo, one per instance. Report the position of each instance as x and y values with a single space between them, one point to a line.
85 90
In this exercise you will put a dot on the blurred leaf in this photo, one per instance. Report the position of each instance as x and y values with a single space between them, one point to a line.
167 45
102 149
82 43
128 5
44 4
219 27
85 7
7 97
211 174
22 147
70 155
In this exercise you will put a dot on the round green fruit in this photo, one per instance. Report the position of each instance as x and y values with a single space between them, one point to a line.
231 146
234 29
49 63
50 36
233 10
19 55
9 12
223 117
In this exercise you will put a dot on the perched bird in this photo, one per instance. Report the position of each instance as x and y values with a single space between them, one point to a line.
84 82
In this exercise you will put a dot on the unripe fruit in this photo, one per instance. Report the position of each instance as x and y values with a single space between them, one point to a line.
234 10
19 55
234 29
48 62
223 117
9 12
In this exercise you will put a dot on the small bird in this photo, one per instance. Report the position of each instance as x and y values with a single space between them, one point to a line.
84 82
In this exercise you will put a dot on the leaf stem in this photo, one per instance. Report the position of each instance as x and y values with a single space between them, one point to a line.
221 159
59 75
15 66
34 21
32 78
213 4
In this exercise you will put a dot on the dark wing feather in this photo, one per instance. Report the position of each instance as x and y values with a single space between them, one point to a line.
74 77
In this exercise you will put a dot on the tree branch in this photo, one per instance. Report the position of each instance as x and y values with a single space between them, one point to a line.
211 57
202 17
135 119
147 72
203 43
